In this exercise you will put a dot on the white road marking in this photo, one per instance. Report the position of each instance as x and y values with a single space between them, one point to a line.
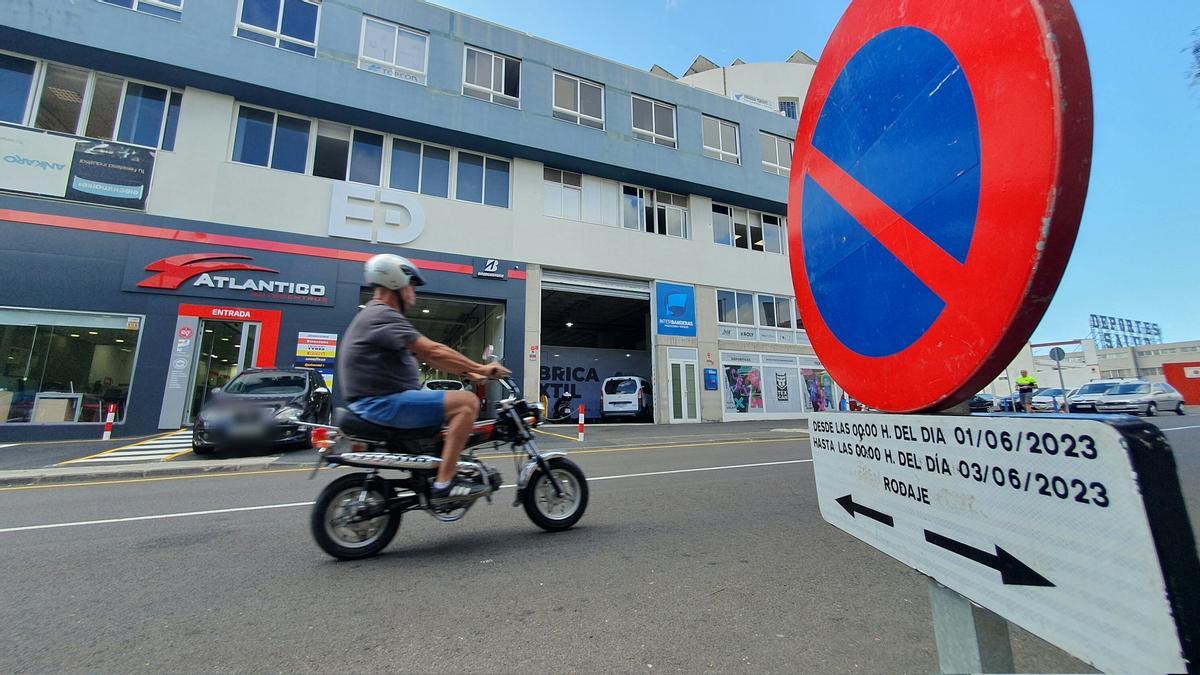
158 448
189 514
7 445
1197 426
123 458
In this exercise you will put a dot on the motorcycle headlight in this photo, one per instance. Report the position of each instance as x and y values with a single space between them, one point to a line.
288 413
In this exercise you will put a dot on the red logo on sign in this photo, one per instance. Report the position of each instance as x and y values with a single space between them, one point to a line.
185 332
173 271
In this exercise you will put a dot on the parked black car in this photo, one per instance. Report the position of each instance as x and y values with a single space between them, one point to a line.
258 409
980 404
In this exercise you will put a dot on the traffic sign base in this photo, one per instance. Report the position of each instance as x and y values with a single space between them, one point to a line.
1073 528
969 638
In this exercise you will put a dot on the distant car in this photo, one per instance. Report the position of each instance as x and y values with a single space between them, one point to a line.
1047 399
259 408
443 385
1140 398
1010 403
627 396
1084 398
981 403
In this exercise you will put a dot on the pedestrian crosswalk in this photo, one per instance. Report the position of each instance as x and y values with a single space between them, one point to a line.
159 448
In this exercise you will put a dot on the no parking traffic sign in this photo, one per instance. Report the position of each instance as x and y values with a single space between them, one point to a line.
940 171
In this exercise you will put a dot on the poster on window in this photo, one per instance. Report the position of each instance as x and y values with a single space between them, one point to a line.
319 352
819 387
743 389
782 390
82 170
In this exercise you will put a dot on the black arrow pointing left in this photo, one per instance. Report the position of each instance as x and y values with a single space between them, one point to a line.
852 507
1013 572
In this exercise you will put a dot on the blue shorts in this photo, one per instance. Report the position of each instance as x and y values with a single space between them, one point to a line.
412 409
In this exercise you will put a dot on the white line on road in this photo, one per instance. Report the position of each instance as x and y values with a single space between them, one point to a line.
1180 428
7 445
188 514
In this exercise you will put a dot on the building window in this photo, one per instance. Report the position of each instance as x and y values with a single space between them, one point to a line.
777 154
287 24
85 103
720 139
420 168
735 308
16 80
562 194
393 50
65 367
168 9
789 107
331 155
750 230
266 138
776 312
654 211
653 121
492 77
483 180
578 101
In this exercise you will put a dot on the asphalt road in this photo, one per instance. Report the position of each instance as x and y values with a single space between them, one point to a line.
711 557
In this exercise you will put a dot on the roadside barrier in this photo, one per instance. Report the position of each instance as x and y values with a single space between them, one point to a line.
108 422
580 422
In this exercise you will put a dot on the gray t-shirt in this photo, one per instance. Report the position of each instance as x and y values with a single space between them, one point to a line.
373 358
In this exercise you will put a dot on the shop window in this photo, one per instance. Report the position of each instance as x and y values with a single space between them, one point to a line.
266 138
80 102
287 24
776 154
167 9
720 139
16 80
64 367
482 180
393 50
653 121
562 194
492 77
579 101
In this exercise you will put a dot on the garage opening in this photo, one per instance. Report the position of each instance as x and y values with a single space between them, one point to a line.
593 329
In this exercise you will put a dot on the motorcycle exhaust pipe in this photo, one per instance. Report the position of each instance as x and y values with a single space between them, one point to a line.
388 460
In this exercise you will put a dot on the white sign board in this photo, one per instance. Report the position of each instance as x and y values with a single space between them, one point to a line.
35 162
1040 521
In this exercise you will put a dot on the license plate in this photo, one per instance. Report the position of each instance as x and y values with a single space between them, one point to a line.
245 430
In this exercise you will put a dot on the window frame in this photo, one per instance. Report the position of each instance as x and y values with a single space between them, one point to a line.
420 166
175 10
277 34
420 78
670 141
34 102
34 93
562 187
762 331
309 149
579 115
775 168
483 184
721 153
752 217
491 91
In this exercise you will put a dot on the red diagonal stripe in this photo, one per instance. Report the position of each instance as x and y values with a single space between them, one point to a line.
929 262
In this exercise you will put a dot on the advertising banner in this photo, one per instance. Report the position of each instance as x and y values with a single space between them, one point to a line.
582 371
782 390
676 309
82 170
317 351
743 389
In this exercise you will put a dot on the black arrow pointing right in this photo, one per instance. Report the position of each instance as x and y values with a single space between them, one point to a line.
1013 572
852 508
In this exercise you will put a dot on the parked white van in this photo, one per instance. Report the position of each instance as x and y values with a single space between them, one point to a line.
627 396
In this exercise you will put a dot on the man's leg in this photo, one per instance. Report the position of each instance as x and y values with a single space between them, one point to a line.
462 407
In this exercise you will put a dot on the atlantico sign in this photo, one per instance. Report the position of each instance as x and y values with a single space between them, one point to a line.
233 276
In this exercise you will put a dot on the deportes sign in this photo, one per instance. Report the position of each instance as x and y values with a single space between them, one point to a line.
935 198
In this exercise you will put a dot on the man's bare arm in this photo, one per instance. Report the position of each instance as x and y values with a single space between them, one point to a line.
444 358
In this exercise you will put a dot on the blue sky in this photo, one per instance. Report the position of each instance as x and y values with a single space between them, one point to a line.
1138 252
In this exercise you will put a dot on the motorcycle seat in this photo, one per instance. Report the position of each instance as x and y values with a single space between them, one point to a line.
348 422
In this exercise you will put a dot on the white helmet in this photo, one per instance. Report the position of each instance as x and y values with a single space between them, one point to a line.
392 271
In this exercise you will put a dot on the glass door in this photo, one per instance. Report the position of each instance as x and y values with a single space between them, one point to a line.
684 392
226 348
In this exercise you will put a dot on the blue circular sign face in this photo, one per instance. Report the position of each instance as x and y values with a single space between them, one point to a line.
899 120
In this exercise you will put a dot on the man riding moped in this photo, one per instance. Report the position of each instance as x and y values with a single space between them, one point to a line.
378 373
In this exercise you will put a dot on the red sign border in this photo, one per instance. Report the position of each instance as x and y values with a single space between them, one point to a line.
1034 107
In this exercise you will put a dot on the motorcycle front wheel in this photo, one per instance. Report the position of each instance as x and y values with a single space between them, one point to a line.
333 519
549 510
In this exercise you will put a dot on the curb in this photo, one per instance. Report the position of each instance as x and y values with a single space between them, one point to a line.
26 477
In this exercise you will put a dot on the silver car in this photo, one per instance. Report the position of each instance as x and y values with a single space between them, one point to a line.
1140 398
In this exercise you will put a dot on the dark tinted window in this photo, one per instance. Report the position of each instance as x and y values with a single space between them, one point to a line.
16 78
268 382
621 387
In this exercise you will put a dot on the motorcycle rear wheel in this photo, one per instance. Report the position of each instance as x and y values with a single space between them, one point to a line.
549 511
346 540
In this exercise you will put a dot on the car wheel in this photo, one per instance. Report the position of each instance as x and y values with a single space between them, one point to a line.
1179 408
1151 409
